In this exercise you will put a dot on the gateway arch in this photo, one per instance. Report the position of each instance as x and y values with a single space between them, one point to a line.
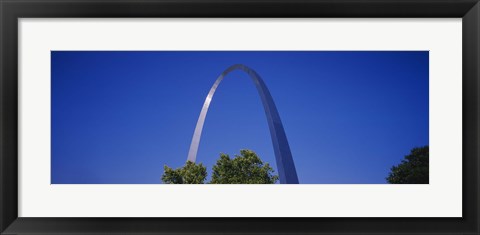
283 156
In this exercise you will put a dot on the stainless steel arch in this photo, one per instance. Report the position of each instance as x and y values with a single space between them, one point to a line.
283 155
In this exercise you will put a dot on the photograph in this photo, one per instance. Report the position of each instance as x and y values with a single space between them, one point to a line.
239 117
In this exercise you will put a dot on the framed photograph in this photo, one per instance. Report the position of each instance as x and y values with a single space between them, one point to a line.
228 117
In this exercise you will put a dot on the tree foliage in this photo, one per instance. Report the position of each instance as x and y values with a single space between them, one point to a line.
413 169
190 173
246 168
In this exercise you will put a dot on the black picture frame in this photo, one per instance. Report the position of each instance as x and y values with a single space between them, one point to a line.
12 10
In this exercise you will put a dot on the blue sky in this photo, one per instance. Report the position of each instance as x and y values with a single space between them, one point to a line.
119 117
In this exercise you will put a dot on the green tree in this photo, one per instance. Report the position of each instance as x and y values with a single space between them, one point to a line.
413 169
190 173
247 168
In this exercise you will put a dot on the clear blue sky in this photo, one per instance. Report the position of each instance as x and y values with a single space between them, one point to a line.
119 117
